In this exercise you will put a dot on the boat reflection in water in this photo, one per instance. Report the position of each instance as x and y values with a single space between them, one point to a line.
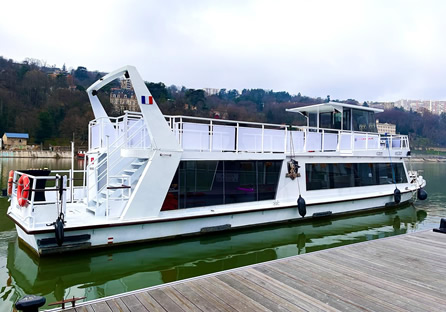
102 273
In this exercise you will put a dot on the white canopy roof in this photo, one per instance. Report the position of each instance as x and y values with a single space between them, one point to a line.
330 107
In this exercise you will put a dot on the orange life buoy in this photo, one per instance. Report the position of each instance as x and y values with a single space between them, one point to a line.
23 190
10 180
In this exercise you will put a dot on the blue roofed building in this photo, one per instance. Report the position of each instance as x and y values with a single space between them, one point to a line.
12 140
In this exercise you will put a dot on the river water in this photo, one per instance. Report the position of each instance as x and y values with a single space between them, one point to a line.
106 272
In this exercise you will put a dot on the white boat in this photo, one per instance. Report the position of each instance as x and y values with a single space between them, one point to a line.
150 176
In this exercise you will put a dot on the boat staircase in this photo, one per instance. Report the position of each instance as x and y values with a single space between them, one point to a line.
114 172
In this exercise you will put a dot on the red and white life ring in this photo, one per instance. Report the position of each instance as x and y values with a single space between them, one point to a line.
23 191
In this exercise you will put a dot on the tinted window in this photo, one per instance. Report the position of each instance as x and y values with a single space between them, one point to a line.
363 121
207 183
339 175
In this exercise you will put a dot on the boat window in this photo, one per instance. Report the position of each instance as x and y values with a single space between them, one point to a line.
268 173
346 119
312 120
335 175
240 181
331 120
200 183
364 174
363 121
208 183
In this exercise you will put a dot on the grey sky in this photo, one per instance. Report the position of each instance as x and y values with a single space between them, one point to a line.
366 50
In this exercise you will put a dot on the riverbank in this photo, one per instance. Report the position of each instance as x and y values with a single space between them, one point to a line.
427 158
35 154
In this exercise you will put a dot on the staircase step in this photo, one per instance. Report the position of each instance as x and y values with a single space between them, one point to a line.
131 171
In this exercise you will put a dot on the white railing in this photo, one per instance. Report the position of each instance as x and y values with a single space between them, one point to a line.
50 204
213 135
210 135
118 130
132 133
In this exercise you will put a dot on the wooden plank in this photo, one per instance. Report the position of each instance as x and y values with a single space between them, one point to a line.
375 289
86 308
180 300
262 300
101 307
337 290
193 296
384 273
133 304
398 267
215 301
116 305
258 293
148 302
430 236
230 296
164 300
285 290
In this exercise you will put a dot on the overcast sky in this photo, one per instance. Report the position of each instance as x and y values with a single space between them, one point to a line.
366 50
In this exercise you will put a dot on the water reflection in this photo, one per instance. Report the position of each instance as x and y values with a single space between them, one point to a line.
107 272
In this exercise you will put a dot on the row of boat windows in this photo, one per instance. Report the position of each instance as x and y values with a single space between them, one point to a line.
339 175
207 183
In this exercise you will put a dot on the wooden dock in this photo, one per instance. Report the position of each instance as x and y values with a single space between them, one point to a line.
400 273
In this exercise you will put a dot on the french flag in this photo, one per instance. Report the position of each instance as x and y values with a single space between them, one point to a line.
146 99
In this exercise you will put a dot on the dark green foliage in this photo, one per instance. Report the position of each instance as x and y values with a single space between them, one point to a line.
45 127
195 97
35 102
158 90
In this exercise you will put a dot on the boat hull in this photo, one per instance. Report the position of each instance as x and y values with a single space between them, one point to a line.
106 235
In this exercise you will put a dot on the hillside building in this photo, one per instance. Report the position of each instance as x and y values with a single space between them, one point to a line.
435 107
15 140
383 128
124 98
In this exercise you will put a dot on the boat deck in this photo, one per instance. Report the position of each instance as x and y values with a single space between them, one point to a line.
400 273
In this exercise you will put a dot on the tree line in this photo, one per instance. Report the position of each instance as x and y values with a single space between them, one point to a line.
52 105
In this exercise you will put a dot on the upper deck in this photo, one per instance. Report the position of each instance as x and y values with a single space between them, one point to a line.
196 134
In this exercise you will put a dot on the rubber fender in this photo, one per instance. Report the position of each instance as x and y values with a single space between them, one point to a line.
301 206
421 194
397 196
59 232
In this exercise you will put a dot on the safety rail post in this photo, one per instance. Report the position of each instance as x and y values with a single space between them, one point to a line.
180 131
338 144
72 173
107 177
352 141
126 128
56 186
33 193
64 195
237 138
366 141
211 135
286 139
322 140
89 136
262 141
84 180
